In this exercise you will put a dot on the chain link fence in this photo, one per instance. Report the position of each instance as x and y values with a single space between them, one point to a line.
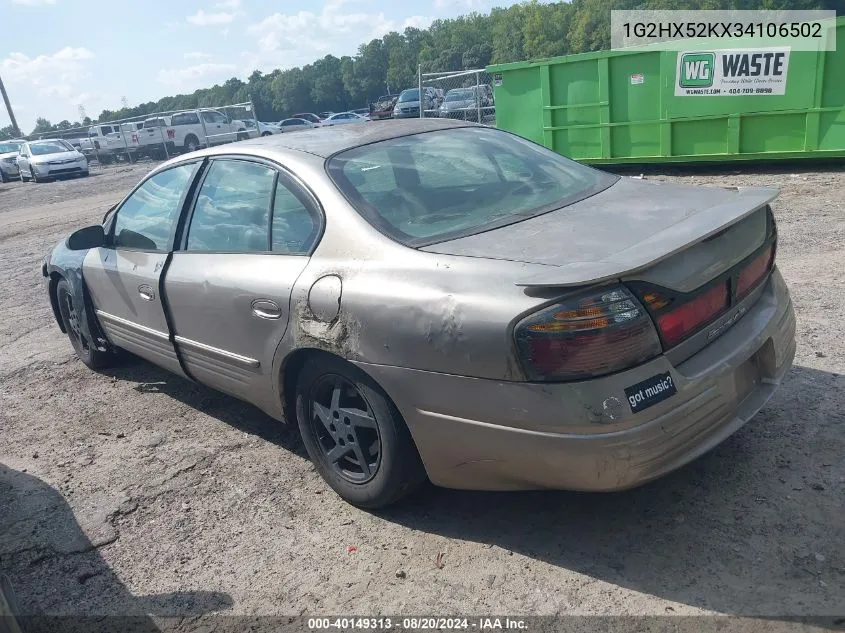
466 95
160 135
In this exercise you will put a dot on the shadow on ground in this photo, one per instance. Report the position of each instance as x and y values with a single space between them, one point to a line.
55 570
236 413
720 534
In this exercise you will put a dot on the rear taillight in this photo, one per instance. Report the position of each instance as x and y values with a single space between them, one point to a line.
585 336
678 323
754 272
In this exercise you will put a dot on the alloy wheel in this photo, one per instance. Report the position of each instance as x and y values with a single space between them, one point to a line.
72 322
345 427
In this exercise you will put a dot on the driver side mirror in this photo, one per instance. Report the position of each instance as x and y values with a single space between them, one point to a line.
89 237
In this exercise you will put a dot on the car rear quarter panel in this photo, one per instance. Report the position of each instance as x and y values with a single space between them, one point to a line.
403 307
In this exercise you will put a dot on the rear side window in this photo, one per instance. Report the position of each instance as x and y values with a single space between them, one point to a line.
232 211
295 228
213 117
146 219
185 118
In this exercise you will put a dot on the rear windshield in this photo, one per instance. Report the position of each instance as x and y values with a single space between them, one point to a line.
459 95
186 118
431 187
154 123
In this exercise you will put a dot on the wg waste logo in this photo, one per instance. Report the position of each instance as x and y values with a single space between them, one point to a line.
733 72
697 70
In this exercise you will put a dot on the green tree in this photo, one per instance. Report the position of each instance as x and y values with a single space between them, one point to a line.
42 125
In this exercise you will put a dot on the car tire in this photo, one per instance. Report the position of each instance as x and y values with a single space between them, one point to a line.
3 177
22 177
242 135
266 133
34 176
85 174
192 143
369 429
69 310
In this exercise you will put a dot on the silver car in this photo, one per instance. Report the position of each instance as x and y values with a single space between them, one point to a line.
443 300
470 104
50 158
294 124
9 160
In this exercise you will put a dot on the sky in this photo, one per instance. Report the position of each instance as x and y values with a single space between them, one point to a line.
56 55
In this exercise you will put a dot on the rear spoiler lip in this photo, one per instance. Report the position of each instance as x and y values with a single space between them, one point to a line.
678 236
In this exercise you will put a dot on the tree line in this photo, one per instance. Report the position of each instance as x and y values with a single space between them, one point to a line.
530 30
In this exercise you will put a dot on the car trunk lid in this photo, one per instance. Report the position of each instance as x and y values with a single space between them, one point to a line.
626 229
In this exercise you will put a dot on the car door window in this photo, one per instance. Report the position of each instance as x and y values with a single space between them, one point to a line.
295 225
213 117
146 219
232 210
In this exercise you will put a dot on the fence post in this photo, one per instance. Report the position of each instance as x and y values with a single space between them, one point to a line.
478 95
419 86
204 129
94 142
163 133
125 144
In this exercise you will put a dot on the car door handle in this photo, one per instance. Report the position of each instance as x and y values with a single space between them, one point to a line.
266 309
146 292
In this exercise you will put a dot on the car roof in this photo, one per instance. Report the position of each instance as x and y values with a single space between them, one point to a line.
325 141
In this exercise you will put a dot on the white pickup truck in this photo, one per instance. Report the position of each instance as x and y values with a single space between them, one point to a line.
114 141
157 138
215 128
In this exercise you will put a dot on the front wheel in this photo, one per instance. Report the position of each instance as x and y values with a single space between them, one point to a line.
84 348
355 435
242 136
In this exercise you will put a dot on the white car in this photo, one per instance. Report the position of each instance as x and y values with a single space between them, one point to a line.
291 125
9 160
49 158
342 118
264 129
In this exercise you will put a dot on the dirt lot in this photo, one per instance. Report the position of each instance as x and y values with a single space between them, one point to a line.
135 491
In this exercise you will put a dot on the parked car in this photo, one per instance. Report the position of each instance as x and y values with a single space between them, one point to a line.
50 158
110 142
308 116
342 118
198 128
291 125
470 104
408 103
9 160
264 129
157 138
403 296
382 108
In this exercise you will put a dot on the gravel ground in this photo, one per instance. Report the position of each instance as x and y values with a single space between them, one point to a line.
134 491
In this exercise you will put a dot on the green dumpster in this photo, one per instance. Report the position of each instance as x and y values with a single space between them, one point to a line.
652 106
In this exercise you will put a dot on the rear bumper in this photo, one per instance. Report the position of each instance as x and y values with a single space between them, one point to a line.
497 435
9 169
